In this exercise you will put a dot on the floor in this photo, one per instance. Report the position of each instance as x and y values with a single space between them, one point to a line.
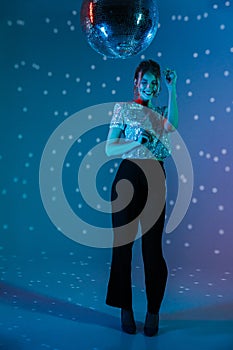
51 304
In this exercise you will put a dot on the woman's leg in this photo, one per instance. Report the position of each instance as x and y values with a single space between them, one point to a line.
125 227
154 263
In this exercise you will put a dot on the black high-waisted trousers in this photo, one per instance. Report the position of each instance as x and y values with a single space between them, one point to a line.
149 188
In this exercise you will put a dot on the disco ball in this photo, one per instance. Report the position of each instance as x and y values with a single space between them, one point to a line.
119 28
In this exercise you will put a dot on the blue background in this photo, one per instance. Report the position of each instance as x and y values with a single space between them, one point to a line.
49 72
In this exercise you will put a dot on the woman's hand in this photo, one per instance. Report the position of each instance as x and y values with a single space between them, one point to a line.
172 118
170 78
144 137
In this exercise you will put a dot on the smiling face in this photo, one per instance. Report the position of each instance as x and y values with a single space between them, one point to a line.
148 86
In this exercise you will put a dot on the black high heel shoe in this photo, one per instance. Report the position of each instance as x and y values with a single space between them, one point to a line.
151 326
127 321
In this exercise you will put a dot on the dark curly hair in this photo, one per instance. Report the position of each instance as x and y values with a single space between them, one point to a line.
144 67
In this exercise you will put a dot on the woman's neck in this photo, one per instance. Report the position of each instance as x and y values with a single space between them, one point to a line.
144 103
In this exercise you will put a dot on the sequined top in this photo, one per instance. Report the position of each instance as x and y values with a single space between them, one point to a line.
132 118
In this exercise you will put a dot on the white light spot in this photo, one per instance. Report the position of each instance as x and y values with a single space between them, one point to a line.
201 153
207 51
228 109
221 231
214 190
216 159
195 55
212 99
183 178
222 26
20 22
224 151
217 251
206 75
212 118
194 200
196 117
201 188
227 168
220 207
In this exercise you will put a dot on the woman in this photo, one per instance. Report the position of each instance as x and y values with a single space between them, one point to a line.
139 134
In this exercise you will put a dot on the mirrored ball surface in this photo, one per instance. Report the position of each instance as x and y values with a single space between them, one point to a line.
119 28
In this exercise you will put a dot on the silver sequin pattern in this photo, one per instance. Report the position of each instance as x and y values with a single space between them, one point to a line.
132 119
